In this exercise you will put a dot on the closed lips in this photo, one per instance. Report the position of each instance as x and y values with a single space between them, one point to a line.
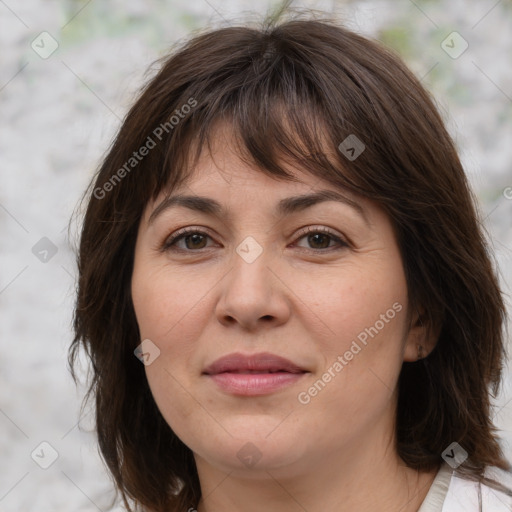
256 371
254 363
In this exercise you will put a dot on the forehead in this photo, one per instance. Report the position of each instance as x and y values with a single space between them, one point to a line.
225 169
221 181
224 162
224 180
224 177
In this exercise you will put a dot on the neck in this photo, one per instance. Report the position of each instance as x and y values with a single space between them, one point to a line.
361 478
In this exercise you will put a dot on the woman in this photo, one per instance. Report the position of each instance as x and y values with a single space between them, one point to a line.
283 235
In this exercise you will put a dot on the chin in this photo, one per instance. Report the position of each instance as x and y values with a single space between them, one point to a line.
251 446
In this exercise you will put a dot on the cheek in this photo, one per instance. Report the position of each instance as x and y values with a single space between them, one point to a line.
167 304
359 302
365 313
167 309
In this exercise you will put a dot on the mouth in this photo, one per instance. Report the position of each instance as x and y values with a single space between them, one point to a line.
249 372
257 374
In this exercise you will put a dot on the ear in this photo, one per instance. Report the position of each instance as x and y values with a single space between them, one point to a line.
420 340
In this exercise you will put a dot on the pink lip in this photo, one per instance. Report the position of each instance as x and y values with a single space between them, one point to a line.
257 374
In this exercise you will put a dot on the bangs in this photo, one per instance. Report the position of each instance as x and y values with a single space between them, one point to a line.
276 112
293 93
288 98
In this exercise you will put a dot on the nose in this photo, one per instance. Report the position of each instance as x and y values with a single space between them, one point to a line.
253 295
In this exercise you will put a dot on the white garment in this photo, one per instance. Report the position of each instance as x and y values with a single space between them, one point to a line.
451 493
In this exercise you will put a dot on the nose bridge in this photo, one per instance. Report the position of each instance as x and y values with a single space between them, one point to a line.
250 264
251 291
249 250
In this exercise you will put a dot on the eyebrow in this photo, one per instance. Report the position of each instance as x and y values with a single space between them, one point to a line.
284 207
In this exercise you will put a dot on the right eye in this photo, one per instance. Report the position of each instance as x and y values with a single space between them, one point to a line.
193 240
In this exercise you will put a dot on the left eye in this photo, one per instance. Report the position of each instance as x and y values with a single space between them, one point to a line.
322 237
196 240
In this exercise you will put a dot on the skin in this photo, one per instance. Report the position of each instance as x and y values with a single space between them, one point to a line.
336 452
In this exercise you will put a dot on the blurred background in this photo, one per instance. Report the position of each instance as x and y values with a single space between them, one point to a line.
69 70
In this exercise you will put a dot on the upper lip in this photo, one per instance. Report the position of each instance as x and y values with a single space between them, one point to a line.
265 361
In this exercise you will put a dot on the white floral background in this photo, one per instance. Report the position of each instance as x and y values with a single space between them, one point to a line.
59 112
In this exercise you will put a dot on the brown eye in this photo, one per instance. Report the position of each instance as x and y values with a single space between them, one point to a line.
193 240
196 241
320 239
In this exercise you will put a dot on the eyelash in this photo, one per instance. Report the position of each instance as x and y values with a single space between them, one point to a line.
182 233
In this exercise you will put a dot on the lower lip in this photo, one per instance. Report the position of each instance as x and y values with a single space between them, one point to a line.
253 384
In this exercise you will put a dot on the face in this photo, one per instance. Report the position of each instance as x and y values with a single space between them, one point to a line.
277 326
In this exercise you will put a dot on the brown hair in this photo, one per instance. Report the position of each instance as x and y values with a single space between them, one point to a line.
290 90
